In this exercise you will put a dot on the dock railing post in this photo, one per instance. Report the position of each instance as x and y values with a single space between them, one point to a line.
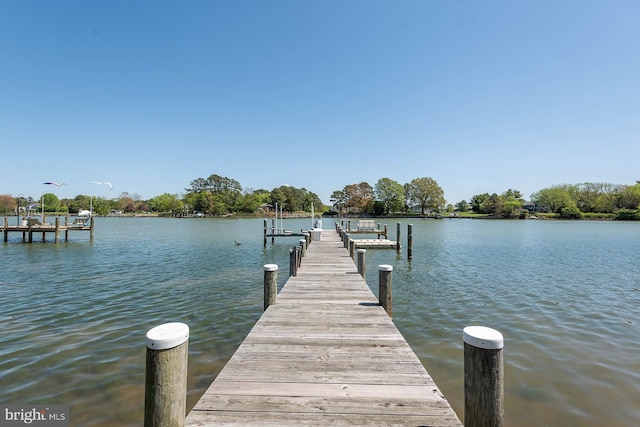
483 377
347 237
384 287
352 246
165 394
410 241
270 284
362 265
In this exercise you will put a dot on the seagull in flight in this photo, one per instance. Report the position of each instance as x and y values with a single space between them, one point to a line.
55 183
104 183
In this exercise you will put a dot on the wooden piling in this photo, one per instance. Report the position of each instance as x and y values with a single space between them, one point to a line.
264 233
384 287
398 246
352 246
270 284
165 397
292 262
303 247
483 377
362 264
410 241
57 232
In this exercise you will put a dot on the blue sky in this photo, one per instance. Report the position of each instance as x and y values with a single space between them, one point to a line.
480 96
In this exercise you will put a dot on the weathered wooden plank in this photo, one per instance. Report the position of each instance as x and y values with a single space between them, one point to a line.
260 418
399 406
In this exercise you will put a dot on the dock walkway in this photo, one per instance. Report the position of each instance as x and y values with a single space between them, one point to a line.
325 354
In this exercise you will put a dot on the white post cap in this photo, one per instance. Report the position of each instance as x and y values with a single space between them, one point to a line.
271 267
385 267
483 337
167 336
361 251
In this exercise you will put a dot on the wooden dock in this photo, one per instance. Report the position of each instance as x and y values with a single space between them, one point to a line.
45 228
325 354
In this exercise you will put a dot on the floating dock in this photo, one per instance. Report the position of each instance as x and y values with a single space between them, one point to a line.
326 353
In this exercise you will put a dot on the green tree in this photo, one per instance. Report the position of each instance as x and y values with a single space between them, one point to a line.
477 201
510 202
555 198
251 201
226 192
492 205
169 203
425 193
462 206
629 197
391 194
52 203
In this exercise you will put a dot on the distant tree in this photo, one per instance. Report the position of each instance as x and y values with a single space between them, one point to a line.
52 203
7 204
295 199
358 197
251 201
555 198
216 195
391 194
492 205
338 199
629 197
166 202
462 206
588 193
510 202
425 193
477 201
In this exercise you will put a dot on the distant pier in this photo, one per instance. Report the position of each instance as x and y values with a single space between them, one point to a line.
30 226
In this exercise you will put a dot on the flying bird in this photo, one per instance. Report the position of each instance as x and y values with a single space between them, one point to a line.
55 183
104 183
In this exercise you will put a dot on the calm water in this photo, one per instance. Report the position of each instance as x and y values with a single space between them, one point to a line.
565 295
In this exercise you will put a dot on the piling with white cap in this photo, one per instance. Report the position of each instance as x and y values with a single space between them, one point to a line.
165 401
270 284
362 264
384 287
483 377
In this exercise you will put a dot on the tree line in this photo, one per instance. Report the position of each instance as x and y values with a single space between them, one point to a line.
212 196
388 196
590 199
218 196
